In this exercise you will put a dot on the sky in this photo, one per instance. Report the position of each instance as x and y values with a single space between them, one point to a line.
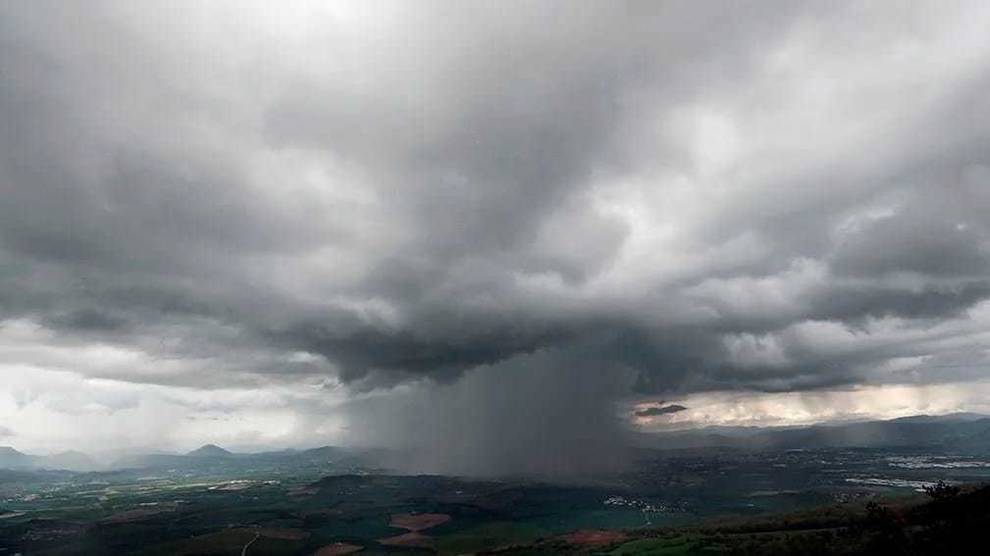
501 235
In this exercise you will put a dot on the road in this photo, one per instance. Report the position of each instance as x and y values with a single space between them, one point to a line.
249 543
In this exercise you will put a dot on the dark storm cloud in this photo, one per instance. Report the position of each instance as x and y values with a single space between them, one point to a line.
938 234
848 304
767 196
405 353
661 410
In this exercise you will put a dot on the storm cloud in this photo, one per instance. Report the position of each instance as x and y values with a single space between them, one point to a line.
660 410
593 201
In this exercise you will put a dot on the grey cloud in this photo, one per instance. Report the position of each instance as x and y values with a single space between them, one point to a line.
660 410
932 237
850 303
683 187
87 320
365 349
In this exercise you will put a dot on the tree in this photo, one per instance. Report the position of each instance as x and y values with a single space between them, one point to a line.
941 491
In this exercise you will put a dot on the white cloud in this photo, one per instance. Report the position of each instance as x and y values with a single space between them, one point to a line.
806 408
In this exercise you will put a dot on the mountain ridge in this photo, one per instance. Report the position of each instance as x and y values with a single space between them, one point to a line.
967 432
210 451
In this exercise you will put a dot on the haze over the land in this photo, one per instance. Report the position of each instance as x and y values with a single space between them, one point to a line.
496 232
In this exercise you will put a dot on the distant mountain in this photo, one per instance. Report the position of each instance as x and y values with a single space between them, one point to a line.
961 417
141 461
209 458
69 461
12 459
65 461
210 451
962 431
326 453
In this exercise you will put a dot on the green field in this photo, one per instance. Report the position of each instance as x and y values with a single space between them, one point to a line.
667 507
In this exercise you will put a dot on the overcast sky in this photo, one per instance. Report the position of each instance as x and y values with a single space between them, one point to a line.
488 228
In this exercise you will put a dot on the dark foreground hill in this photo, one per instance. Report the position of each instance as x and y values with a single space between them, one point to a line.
949 521
723 502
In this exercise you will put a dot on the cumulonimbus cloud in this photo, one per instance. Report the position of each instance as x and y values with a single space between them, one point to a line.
715 197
